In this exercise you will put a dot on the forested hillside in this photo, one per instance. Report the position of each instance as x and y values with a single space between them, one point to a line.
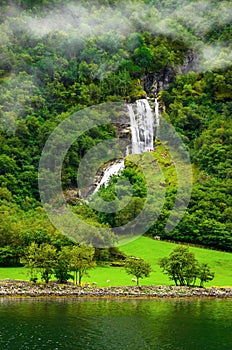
58 57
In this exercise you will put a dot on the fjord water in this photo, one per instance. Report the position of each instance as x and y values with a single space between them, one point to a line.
115 324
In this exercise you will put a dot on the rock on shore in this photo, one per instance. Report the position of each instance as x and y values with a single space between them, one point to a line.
27 289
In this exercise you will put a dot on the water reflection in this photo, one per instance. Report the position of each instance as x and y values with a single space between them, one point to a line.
55 324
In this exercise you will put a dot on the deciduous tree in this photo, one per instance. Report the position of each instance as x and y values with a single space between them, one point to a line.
81 261
180 266
138 268
205 274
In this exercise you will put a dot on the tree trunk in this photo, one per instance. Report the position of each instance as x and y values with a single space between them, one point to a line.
46 276
80 277
75 278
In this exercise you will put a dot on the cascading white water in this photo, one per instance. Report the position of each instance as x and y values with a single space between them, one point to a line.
135 137
157 115
113 169
142 126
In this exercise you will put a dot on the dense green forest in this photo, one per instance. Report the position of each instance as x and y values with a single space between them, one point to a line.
58 57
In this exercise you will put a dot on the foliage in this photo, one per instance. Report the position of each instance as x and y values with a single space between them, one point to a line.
62 266
182 267
45 259
151 251
135 49
81 261
8 256
29 260
205 274
138 268
40 259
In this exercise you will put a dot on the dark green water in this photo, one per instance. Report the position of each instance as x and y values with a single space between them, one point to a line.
57 324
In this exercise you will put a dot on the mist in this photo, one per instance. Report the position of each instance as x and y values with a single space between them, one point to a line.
77 23
190 23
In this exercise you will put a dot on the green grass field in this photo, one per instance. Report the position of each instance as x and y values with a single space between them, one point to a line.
151 251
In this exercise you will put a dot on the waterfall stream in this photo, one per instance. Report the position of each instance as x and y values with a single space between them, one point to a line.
112 169
143 122
142 127
157 115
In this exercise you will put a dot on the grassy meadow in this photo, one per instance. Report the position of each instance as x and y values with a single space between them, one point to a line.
151 251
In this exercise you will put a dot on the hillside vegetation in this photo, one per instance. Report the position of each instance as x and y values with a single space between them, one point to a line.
58 57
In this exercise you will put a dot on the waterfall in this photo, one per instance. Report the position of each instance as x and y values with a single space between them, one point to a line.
157 115
112 169
142 126
135 137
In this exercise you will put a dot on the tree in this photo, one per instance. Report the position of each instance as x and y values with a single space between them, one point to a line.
46 261
62 267
204 274
29 260
81 261
9 256
143 58
40 259
138 268
180 266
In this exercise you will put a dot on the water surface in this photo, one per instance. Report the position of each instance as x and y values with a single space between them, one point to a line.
115 324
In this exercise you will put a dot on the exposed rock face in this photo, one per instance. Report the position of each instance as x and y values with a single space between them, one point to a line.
190 63
153 84
135 128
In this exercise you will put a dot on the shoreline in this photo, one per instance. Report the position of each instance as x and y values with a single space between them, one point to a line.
23 289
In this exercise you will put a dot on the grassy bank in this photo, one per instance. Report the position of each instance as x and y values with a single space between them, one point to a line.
151 251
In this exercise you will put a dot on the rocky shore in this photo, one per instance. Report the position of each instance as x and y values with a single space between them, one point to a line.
26 289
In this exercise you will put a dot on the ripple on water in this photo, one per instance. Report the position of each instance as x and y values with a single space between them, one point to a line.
116 324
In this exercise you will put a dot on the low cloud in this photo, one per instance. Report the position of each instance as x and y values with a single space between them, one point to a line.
191 23
215 56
